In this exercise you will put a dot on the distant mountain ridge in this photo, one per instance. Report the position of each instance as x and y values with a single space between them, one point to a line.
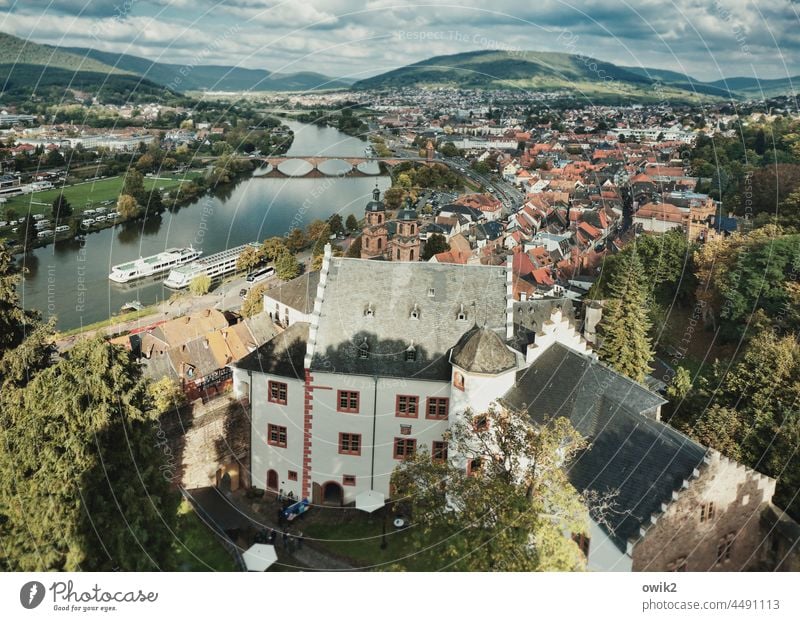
543 71
212 77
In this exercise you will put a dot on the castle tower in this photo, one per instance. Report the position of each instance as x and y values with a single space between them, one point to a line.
405 242
375 236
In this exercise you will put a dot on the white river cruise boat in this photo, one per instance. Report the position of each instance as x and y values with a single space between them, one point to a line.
153 265
215 266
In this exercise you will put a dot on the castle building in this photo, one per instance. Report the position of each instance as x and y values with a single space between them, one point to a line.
395 240
395 352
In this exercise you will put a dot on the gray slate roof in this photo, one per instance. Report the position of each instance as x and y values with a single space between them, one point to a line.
391 290
282 355
298 293
641 458
482 351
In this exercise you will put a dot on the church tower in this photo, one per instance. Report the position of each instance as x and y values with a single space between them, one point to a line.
375 236
405 242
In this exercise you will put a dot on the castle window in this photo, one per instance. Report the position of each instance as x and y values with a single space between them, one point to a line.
277 392
398 254
380 243
473 466
405 430
411 354
437 408
407 406
411 254
350 444
707 512
369 311
481 423
431 293
439 451
415 312
462 316
404 447
347 401
276 435
292 474
348 479
363 350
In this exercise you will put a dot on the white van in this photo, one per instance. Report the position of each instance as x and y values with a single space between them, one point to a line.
42 234
62 229
87 223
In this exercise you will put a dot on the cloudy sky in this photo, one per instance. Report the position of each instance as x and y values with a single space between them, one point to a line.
709 39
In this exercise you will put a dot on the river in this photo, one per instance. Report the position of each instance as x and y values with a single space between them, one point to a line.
69 279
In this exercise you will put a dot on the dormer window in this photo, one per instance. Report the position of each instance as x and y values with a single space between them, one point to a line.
363 350
431 293
415 312
462 316
369 311
411 354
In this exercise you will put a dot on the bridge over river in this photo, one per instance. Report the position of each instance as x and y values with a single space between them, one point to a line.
331 166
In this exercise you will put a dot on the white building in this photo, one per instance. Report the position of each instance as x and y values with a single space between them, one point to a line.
395 352
292 301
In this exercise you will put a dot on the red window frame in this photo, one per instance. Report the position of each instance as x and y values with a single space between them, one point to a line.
292 475
439 450
349 479
407 403
401 447
472 469
346 444
277 431
481 423
348 397
436 403
277 387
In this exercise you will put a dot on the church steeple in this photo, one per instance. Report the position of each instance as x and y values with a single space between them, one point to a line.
376 193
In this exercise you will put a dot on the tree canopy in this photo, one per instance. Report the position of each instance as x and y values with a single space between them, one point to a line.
497 499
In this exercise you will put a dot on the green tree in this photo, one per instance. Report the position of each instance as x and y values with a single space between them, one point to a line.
681 384
254 302
200 284
295 240
719 428
287 267
84 474
435 244
625 345
127 207
61 209
133 185
27 233
351 223
335 224
272 248
249 258
448 149
354 249
511 500
166 395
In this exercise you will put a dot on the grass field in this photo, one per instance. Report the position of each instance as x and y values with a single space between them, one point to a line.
359 540
89 194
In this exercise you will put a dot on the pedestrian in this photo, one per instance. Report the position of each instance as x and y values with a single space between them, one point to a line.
280 495
300 539
285 539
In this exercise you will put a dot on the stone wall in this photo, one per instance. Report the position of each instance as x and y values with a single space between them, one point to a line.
208 440
689 534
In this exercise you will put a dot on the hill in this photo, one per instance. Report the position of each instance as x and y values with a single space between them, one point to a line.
53 74
549 71
211 77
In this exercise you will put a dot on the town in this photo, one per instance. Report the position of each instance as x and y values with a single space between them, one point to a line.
387 325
